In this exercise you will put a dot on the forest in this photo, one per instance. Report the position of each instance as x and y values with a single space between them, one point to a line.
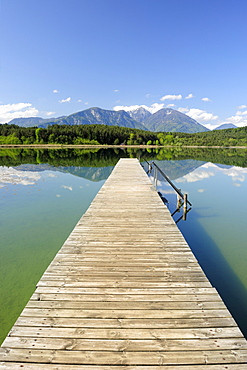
75 135
96 134
228 137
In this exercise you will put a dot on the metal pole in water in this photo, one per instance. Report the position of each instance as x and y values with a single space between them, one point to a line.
156 177
185 200
179 200
185 207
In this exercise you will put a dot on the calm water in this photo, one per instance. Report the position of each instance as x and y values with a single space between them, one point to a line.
215 227
44 193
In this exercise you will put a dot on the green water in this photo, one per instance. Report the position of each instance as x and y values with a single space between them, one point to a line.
44 193
37 215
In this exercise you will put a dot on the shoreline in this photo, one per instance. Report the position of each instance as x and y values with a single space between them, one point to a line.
87 146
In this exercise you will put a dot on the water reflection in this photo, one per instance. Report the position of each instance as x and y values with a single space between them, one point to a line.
10 175
109 157
154 172
43 193
237 174
215 228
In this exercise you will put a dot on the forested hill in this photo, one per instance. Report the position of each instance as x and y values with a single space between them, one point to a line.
228 137
115 135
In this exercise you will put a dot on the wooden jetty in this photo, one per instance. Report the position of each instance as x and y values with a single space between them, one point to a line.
125 292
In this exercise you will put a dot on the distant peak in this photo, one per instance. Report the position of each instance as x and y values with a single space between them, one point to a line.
225 126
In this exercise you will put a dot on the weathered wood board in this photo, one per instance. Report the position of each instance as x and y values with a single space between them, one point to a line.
125 292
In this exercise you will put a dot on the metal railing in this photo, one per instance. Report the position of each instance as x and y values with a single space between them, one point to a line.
182 199
178 191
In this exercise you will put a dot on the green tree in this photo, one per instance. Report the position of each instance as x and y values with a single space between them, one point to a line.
37 135
51 139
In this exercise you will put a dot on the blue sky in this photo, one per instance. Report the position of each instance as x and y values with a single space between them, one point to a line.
62 56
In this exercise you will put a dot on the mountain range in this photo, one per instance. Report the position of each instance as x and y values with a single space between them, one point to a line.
165 120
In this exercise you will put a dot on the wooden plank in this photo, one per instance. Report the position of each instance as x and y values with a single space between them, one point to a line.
125 358
137 264
61 281
148 305
103 333
121 297
129 345
125 292
122 314
33 366
202 322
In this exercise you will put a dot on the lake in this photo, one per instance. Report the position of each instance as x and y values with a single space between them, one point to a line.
43 193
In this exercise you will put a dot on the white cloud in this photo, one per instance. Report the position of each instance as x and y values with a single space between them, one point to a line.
152 109
86 103
237 174
242 106
18 110
128 108
67 187
55 91
166 191
196 175
49 113
237 120
170 105
65 100
206 99
9 175
116 91
79 101
210 126
171 97
183 110
198 114
190 96
201 190
52 175
239 113
155 107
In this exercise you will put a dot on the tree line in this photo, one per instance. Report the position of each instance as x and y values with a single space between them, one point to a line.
114 135
227 137
77 134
